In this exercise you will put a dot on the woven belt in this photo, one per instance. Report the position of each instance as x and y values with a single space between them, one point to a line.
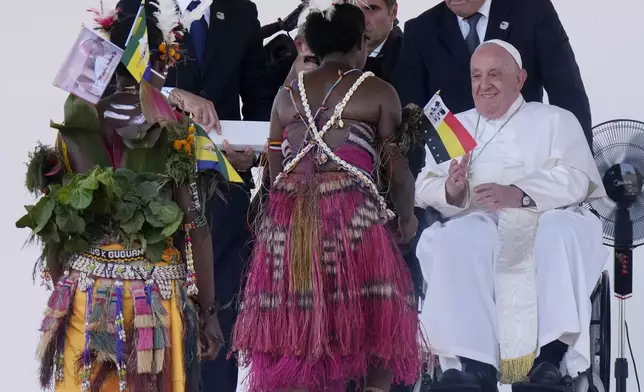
92 267
115 255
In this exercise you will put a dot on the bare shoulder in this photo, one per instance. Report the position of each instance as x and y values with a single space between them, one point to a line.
382 92
283 106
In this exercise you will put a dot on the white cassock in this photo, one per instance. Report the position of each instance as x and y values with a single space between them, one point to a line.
542 150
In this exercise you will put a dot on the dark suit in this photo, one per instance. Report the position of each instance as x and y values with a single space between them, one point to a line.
435 57
234 66
382 65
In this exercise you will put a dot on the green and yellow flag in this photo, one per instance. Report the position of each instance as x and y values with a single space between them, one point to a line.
210 157
136 56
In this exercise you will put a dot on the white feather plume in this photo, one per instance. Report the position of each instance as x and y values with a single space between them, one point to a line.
168 19
196 14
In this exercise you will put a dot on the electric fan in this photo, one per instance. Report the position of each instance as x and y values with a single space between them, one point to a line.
618 147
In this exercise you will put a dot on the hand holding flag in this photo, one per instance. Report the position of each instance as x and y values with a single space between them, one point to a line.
450 139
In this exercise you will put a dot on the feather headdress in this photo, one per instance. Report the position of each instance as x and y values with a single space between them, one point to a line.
196 14
104 17
168 19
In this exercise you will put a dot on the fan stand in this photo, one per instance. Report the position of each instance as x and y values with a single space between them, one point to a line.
623 286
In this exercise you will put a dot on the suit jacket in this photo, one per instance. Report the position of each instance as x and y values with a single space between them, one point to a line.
435 57
235 64
383 64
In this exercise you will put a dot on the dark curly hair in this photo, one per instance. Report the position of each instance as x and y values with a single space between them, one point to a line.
127 10
339 29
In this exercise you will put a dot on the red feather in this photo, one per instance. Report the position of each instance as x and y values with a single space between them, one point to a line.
104 21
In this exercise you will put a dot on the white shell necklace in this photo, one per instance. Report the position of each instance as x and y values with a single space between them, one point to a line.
385 213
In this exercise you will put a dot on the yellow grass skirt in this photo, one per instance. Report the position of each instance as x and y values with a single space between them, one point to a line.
68 363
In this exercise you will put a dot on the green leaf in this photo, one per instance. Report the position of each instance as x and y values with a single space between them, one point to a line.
76 244
111 187
172 228
64 195
148 176
50 233
68 179
81 114
140 135
42 212
27 221
81 198
124 211
153 220
166 210
69 221
124 175
135 224
153 235
154 252
53 190
147 190
89 183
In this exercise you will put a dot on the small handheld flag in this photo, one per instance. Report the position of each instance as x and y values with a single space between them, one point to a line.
451 139
136 56
209 157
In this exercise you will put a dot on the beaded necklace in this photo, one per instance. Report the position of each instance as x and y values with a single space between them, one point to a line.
385 213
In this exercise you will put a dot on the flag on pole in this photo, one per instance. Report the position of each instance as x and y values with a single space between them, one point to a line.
136 56
209 157
450 139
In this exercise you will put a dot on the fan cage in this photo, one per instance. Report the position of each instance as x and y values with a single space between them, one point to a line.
614 142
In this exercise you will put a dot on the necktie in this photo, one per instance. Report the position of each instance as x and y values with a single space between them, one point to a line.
198 34
472 38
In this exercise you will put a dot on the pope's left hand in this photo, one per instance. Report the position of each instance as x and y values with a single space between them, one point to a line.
240 160
495 196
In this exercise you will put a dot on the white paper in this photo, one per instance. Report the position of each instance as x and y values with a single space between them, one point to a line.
242 134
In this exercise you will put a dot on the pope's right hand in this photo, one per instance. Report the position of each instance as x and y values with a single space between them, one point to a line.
457 180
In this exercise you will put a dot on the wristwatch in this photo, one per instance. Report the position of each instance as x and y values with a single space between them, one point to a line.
526 200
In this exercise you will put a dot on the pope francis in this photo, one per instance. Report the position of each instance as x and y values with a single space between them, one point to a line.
511 270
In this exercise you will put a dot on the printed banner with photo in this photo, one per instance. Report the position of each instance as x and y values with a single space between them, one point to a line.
89 66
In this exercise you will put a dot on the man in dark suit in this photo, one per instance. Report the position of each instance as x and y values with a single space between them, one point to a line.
438 46
226 61
384 37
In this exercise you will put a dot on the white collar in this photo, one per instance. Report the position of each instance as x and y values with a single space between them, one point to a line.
511 110
484 10
376 51
183 5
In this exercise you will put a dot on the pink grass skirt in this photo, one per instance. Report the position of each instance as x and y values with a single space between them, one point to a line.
328 294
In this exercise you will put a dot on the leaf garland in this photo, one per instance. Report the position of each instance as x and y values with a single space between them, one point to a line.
87 208
130 204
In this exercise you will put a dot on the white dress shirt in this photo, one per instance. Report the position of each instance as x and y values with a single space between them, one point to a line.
376 51
481 26
183 8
